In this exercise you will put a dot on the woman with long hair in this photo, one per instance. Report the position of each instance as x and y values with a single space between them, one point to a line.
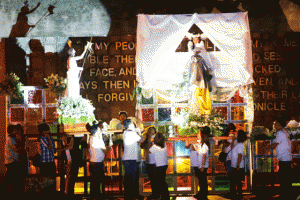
150 162
237 164
159 153
202 147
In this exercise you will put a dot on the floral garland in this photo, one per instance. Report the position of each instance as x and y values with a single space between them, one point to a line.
56 84
11 86
74 110
189 124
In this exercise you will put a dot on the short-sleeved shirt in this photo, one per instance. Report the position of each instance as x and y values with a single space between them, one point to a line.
283 148
96 147
194 157
202 150
47 155
10 154
238 149
160 155
228 149
132 149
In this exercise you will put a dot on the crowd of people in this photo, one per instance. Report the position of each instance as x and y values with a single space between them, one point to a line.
154 145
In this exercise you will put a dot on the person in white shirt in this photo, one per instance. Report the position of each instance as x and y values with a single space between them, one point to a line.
284 156
131 160
202 148
194 158
159 153
97 150
237 164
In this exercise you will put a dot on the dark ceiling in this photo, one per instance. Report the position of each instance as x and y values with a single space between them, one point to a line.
256 8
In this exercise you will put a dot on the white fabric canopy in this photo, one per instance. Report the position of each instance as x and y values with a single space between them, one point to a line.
158 36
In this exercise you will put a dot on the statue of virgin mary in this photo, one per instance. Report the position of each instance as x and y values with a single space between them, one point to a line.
199 80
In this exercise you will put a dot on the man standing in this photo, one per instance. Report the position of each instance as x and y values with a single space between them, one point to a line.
131 160
284 156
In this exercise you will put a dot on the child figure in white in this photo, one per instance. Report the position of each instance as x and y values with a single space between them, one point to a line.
159 153
237 164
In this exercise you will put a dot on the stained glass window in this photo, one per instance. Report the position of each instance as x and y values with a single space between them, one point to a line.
183 165
184 183
148 114
181 150
164 114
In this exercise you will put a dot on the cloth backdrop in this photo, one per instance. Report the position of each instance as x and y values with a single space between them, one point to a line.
158 36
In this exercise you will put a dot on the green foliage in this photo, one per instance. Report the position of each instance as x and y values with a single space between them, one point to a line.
11 86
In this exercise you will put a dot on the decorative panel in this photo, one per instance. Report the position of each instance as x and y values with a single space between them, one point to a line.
222 111
79 188
184 183
35 115
17 114
164 114
81 172
147 114
169 149
171 183
221 183
238 113
112 185
183 165
35 96
51 97
51 114
181 150
112 167
170 169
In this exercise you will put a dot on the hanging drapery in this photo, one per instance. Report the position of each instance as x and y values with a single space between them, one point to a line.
158 36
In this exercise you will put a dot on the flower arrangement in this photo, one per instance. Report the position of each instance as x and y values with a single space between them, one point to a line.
11 86
56 84
75 110
189 124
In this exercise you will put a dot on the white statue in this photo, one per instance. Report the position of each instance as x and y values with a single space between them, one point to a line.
73 73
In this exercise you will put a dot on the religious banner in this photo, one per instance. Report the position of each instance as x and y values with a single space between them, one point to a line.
275 70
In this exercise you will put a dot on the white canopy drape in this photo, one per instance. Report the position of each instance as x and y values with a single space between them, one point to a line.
158 36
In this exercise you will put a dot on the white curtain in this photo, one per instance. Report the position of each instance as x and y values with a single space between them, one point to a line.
158 36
